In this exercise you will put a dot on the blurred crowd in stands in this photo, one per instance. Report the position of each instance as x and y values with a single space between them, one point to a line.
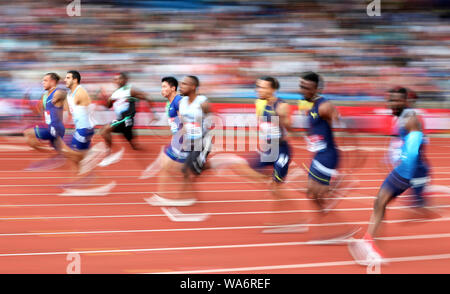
228 44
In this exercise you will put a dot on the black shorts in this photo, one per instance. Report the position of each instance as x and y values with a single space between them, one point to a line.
124 126
196 159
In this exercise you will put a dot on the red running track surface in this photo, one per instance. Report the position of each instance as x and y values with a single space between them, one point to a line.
121 233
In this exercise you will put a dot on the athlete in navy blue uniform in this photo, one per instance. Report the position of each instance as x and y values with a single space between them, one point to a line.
274 122
52 105
320 140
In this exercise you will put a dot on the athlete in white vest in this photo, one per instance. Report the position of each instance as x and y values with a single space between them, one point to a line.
123 101
193 109
80 108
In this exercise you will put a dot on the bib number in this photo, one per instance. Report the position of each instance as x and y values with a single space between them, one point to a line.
173 125
47 117
193 130
315 143
268 131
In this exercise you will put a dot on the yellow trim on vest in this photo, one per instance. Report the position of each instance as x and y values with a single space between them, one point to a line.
260 105
304 105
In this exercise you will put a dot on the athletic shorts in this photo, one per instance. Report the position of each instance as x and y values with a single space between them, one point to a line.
81 139
195 160
49 132
418 184
280 164
124 126
396 184
175 155
323 166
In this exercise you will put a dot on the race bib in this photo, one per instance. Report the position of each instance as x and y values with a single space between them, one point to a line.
268 130
173 125
315 143
47 117
193 130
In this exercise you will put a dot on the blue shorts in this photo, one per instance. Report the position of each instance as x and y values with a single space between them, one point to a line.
396 184
81 139
323 166
49 132
178 156
280 165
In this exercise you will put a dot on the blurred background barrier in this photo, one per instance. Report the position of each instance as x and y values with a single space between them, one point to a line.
16 115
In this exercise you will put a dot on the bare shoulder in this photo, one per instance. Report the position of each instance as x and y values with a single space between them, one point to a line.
60 93
283 108
82 97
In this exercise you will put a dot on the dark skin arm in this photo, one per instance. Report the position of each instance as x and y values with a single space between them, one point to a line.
328 112
206 108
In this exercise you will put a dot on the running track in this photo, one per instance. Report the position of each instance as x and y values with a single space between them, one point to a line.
120 233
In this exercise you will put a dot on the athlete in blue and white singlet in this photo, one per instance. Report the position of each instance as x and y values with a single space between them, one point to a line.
399 102
52 105
364 250
172 159
80 107
175 149
81 115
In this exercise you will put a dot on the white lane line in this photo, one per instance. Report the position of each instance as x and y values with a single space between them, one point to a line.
429 236
93 192
202 183
302 190
202 201
210 213
306 265
185 248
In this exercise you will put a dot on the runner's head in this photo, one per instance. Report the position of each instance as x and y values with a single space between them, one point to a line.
50 80
73 78
266 87
310 85
121 79
397 100
189 85
169 86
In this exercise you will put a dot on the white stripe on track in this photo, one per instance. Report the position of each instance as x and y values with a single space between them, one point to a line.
299 190
231 246
429 236
210 213
305 265
197 183
175 176
201 201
